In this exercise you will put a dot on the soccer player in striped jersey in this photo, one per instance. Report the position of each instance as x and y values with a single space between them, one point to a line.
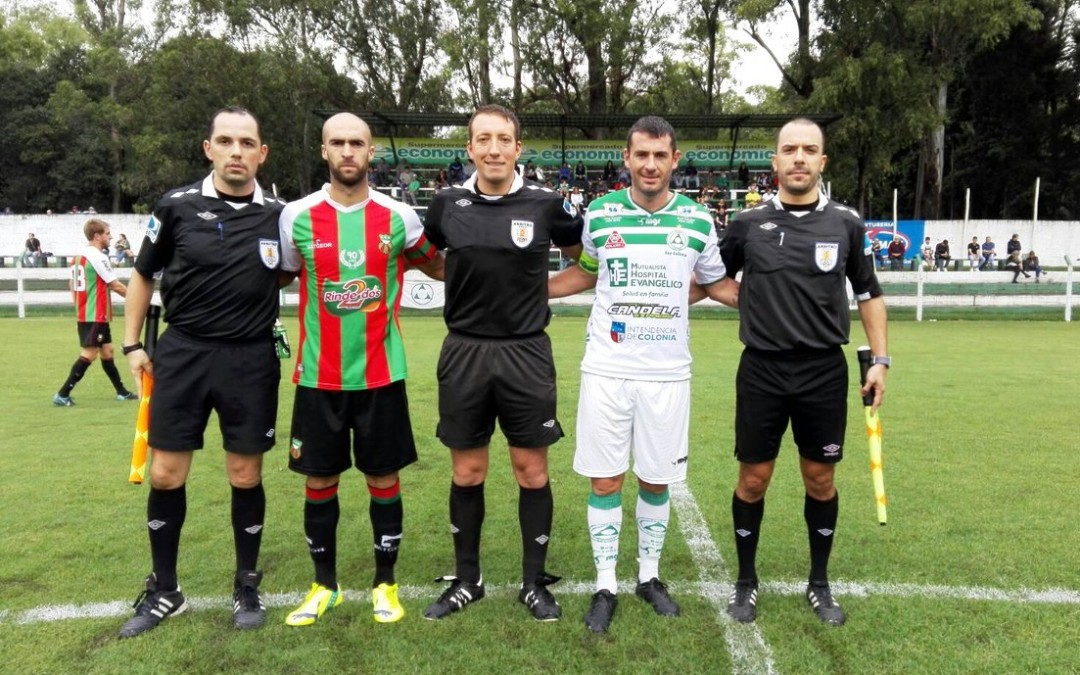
351 245
92 281
642 249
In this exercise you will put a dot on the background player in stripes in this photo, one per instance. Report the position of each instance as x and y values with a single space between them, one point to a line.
641 249
496 362
92 280
795 251
215 244
351 245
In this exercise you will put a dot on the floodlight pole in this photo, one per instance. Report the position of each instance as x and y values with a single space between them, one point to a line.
1034 215
967 215
1068 288
894 216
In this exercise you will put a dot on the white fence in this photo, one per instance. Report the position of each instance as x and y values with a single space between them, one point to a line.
421 292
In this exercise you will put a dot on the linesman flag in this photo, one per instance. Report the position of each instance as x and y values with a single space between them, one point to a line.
140 447
873 437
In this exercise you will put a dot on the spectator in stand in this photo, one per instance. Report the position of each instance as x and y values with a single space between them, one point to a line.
1015 265
404 177
566 174
897 249
411 192
744 175
721 213
33 256
1013 246
382 171
753 197
879 254
988 254
690 176
122 250
442 180
581 175
710 180
942 256
1031 264
609 173
469 170
457 171
624 176
530 172
973 254
577 200
927 253
722 184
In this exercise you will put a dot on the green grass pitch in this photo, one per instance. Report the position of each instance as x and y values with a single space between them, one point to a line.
976 572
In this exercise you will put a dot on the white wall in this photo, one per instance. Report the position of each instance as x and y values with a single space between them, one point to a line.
1052 240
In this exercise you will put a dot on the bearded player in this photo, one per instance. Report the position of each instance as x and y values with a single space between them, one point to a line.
351 245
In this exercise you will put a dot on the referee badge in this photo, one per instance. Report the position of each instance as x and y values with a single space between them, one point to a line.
521 231
268 251
826 255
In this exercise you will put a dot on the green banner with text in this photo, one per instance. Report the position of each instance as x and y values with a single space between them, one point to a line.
549 153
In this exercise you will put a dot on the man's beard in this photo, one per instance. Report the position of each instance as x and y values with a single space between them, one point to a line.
350 181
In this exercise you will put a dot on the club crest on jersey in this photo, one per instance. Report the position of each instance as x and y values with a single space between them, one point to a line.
614 240
268 251
351 259
826 254
384 244
355 295
676 239
295 447
618 331
521 231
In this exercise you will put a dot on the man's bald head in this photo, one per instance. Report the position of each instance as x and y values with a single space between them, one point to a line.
346 122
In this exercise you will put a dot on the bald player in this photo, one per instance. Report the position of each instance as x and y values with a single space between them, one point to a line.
350 245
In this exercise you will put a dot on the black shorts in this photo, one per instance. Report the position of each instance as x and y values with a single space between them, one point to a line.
810 390
378 419
94 334
511 380
192 377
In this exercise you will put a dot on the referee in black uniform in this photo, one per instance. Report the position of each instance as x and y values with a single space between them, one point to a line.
215 244
496 362
795 252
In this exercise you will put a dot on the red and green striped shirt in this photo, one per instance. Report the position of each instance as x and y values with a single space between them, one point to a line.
352 263
91 275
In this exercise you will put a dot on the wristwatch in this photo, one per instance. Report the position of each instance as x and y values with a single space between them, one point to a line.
127 349
880 361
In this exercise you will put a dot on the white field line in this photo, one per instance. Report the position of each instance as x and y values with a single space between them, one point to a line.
121 608
749 651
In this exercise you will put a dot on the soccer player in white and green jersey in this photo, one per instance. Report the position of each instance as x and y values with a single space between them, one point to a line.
643 247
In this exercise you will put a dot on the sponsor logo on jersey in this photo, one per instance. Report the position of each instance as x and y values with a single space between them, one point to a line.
351 259
831 450
618 272
268 252
613 209
384 244
521 231
768 226
614 240
422 293
294 447
652 221
153 228
618 331
685 210
319 243
676 239
463 202
641 309
682 460
826 254
355 295
206 215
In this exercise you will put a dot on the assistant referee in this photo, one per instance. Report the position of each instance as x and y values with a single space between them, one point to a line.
215 244
795 252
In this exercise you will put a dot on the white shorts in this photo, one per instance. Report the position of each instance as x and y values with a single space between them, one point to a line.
616 417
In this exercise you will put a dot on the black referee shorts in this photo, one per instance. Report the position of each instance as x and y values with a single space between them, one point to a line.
377 419
94 334
483 380
810 390
193 377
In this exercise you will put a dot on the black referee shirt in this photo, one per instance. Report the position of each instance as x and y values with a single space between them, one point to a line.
219 263
792 295
497 255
